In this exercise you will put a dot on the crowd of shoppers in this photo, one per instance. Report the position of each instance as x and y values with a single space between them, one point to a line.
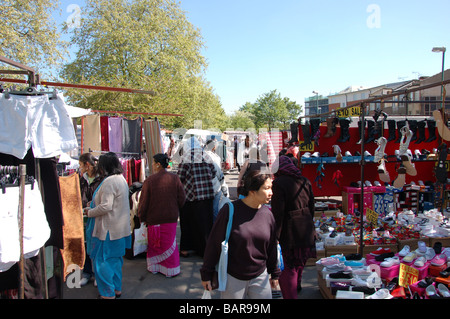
274 210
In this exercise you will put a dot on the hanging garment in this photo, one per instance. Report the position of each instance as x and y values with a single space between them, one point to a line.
27 121
35 228
91 134
115 134
73 230
131 136
153 141
104 131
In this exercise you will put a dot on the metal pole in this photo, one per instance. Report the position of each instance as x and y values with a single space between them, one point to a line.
22 173
361 204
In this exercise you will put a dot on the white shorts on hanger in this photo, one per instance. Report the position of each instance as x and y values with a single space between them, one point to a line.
38 122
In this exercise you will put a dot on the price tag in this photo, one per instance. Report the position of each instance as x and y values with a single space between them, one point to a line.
408 275
305 147
351 111
371 216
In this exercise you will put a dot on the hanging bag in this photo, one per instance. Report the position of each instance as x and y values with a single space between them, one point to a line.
223 261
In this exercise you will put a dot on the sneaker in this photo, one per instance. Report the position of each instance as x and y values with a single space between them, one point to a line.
380 251
439 260
389 262
422 247
443 291
328 261
410 257
383 293
420 262
405 251
354 263
430 254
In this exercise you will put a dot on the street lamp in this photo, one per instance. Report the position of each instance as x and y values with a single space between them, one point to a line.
317 101
441 49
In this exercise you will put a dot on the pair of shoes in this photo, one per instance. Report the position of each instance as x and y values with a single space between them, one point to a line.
441 292
391 261
392 284
405 251
341 275
355 256
445 273
439 260
410 257
380 251
383 293
382 257
425 282
420 262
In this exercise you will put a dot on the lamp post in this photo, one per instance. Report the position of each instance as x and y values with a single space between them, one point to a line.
317 101
441 49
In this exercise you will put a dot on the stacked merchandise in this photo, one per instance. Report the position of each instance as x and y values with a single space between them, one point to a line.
416 240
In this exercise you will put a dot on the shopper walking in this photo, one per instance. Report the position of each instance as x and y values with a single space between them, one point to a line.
90 179
293 209
252 246
111 232
160 201
196 173
219 185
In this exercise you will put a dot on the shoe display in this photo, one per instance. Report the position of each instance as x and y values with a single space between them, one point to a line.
438 260
430 254
383 293
410 257
420 262
405 251
391 261
431 292
341 275
384 256
445 273
337 152
443 291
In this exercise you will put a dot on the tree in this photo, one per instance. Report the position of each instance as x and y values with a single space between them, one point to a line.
241 120
142 44
30 35
272 111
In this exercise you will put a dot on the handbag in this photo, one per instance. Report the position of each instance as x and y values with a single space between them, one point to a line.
219 280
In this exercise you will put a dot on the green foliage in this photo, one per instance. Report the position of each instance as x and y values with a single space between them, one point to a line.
29 34
142 44
272 111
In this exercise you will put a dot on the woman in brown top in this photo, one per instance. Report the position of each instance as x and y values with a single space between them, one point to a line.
161 199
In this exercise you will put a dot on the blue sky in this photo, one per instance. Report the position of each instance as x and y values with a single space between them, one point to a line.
298 46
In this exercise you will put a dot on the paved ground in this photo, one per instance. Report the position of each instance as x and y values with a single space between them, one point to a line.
138 283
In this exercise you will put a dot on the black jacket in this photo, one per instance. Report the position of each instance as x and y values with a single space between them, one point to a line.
293 209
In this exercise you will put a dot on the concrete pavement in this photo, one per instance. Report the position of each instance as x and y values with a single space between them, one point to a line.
138 283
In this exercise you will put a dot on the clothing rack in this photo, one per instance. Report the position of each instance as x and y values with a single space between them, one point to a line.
123 153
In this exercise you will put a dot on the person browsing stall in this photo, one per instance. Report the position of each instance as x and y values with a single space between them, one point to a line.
162 197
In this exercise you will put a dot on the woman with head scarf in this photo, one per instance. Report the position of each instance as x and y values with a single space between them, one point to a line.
196 172
161 199
293 209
